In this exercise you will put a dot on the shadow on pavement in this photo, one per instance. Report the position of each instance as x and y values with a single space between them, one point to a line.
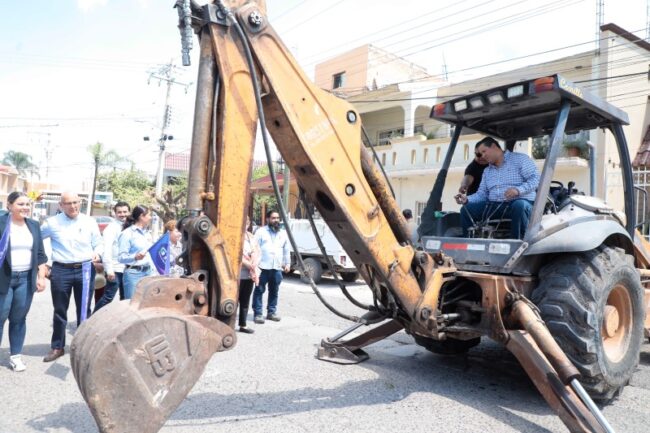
490 381
72 417
36 349
57 370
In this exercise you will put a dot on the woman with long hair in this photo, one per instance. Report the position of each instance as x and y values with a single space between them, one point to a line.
22 271
133 246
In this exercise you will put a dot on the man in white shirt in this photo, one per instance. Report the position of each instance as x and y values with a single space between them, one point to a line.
114 269
274 246
75 240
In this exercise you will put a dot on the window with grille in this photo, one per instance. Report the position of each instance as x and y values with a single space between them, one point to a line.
419 208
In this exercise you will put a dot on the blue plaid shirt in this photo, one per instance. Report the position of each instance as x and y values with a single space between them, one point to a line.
517 171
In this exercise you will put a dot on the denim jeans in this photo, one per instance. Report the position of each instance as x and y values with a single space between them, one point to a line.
110 290
131 278
272 278
14 306
517 210
64 282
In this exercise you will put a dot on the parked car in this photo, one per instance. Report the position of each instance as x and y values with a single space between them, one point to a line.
103 221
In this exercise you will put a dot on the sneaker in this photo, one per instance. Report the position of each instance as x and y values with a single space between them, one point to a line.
258 319
17 363
246 330
274 317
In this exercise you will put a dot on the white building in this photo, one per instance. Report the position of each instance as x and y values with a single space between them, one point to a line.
412 146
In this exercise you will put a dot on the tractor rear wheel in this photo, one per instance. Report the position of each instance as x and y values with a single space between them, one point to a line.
592 303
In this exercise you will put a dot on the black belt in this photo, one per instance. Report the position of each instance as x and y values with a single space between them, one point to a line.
76 265
141 268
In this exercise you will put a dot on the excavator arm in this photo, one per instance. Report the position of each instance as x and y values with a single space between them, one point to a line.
143 357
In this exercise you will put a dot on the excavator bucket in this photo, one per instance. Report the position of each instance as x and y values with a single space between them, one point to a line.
136 361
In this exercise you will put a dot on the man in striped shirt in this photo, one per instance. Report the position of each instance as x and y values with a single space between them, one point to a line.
507 189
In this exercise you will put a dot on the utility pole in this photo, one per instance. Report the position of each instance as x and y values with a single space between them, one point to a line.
600 20
166 74
647 20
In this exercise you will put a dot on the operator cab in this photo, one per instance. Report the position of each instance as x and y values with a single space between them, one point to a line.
548 106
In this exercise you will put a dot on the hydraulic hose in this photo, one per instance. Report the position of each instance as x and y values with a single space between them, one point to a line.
267 150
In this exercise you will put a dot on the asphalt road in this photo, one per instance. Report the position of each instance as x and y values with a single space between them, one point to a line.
271 382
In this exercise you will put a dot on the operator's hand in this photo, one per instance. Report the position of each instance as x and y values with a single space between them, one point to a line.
462 190
512 193
286 268
460 198
110 277
140 255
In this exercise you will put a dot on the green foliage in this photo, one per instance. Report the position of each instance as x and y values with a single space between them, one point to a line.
577 141
540 147
132 186
22 162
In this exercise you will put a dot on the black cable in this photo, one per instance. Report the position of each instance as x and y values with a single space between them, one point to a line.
269 159
374 154
330 264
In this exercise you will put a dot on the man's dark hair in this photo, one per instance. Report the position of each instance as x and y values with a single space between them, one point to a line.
407 214
272 211
121 204
488 142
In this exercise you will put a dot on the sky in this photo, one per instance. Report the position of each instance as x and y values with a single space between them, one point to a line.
75 72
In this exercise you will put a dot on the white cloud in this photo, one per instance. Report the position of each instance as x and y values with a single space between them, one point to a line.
86 5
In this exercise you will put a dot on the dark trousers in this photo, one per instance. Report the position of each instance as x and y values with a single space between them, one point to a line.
518 211
110 290
64 282
272 278
245 290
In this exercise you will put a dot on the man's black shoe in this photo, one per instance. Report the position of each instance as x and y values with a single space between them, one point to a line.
246 330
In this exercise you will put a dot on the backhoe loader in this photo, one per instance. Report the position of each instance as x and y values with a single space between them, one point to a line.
136 361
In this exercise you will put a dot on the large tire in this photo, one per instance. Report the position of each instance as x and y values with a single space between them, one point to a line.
314 269
349 277
592 303
450 346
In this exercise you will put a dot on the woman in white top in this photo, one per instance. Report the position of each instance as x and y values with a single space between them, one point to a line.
22 271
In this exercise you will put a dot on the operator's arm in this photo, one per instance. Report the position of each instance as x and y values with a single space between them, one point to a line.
529 173
467 181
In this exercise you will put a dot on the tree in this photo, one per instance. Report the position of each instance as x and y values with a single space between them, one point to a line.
171 206
132 186
102 158
22 162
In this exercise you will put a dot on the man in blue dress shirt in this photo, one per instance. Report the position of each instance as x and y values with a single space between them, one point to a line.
276 258
507 190
75 239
